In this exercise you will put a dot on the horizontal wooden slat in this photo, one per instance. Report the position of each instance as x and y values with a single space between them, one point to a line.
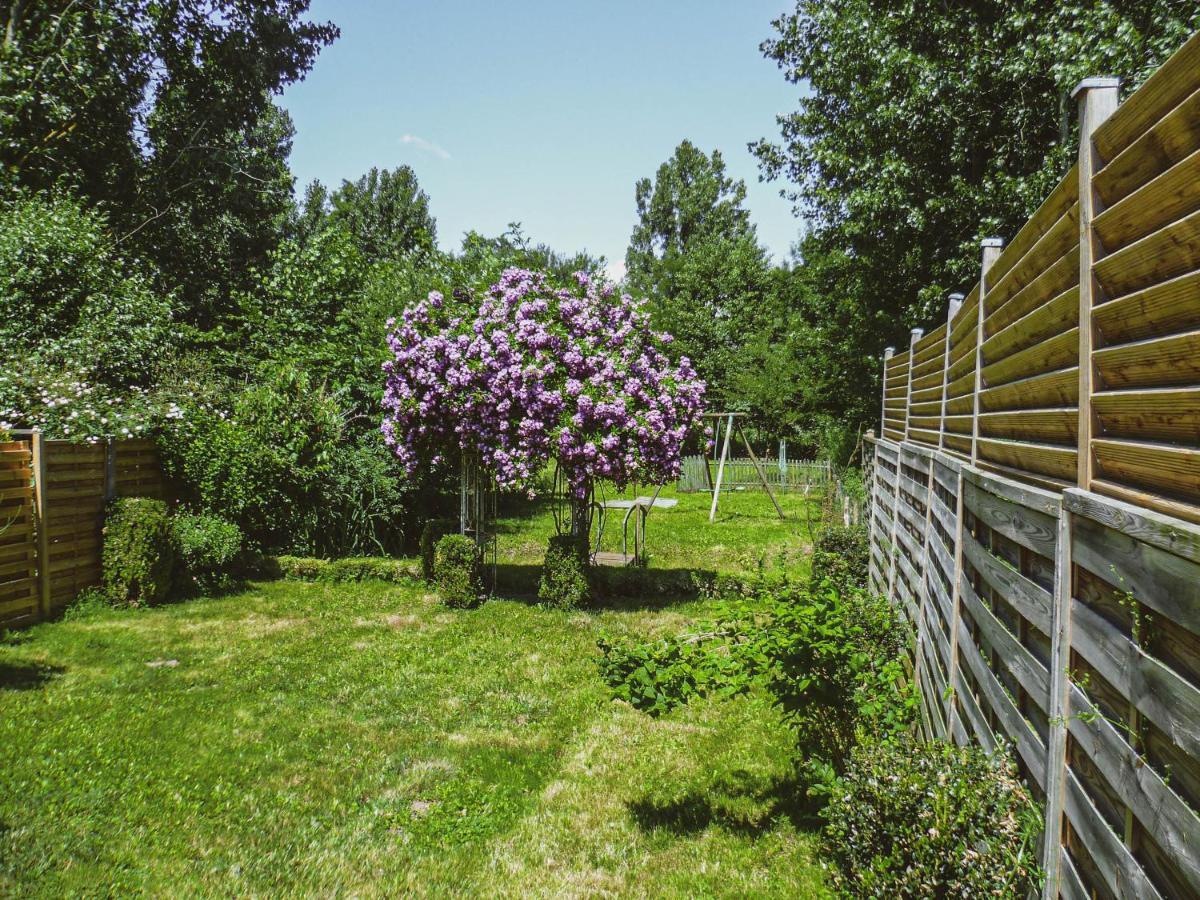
1060 277
1121 871
1170 141
1059 352
1166 88
1163 532
1162 309
1064 195
1053 389
1167 253
1170 196
1031 600
1154 362
1029 528
1156 414
1045 425
1166 468
1014 656
1056 461
1048 250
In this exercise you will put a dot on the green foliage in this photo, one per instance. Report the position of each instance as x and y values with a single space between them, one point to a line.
431 533
922 128
932 819
386 212
139 552
457 571
564 582
840 557
208 552
831 661
347 569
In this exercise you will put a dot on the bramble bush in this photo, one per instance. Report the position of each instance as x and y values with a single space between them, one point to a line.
208 553
913 819
831 660
138 554
564 581
458 571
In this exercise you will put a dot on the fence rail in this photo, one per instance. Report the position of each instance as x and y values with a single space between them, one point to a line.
1035 494
52 496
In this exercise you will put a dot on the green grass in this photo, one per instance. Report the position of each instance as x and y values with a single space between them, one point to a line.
362 739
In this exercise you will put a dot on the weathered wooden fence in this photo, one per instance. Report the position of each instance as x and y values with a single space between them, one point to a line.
1035 493
52 496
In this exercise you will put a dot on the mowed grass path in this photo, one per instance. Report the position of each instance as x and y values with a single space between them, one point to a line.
363 740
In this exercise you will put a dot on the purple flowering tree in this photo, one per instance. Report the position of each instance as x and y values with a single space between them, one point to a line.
540 373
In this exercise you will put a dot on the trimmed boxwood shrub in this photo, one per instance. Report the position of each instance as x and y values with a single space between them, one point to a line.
932 819
564 583
458 571
433 531
138 555
209 549
840 558
355 568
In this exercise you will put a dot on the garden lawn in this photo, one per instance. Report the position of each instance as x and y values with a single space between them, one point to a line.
362 739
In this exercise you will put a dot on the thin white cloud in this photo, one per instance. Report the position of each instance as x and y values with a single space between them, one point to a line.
615 270
428 146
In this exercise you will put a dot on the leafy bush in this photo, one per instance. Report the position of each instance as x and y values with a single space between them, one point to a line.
457 571
830 660
564 582
139 552
209 548
840 557
932 820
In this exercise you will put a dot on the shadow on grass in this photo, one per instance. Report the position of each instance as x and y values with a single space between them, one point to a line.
741 805
624 589
22 677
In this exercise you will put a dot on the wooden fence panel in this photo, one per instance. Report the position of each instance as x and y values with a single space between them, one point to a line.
19 594
1098 693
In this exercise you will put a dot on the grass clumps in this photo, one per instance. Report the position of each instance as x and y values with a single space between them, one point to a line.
564 583
458 571
913 819
139 552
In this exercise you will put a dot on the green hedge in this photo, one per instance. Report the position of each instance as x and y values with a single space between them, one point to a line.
139 551
305 568
209 550
564 583
458 571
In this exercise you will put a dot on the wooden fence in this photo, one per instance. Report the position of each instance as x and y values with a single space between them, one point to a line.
1035 494
52 496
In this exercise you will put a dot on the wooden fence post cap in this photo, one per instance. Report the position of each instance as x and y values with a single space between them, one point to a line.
918 333
957 298
992 242
889 352
1096 82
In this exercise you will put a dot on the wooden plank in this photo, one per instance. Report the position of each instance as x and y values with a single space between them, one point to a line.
1165 89
1058 315
1059 352
1053 389
1171 702
1167 253
979 726
1167 583
1051 247
1016 658
1159 310
1172 195
1167 468
1061 198
1031 529
1175 827
1070 884
1057 279
1058 426
1121 871
1155 414
1046 502
1141 525
1024 738
1031 600
1041 459
1153 362
1171 140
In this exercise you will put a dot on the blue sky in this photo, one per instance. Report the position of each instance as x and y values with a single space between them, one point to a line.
542 112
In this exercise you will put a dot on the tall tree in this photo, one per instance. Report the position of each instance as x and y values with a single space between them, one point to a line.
694 254
386 212
161 113
927 127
